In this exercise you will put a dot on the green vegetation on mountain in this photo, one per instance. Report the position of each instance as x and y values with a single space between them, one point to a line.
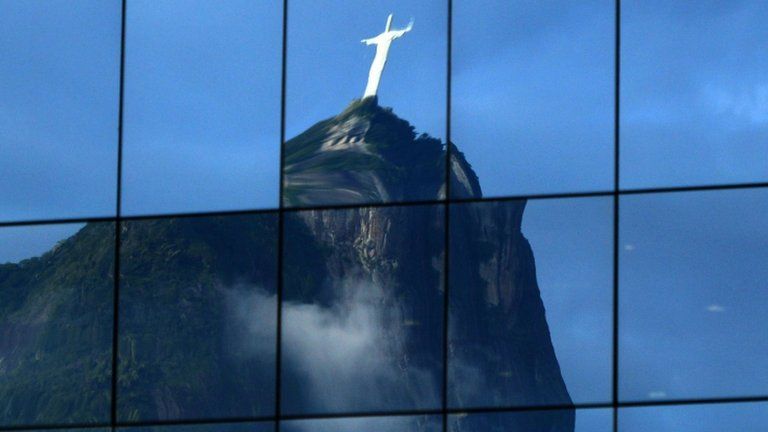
56 331
181 346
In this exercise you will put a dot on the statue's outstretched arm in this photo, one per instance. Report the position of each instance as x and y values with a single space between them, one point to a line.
399 33
370 41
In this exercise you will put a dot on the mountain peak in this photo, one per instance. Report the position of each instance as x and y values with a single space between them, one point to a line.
368 154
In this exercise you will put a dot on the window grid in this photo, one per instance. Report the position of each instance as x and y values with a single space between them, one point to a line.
445 411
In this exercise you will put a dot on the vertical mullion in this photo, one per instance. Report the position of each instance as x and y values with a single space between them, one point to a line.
447 217
616 179
281 225
117 222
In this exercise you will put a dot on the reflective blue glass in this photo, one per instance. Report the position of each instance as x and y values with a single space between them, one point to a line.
692 295
694 100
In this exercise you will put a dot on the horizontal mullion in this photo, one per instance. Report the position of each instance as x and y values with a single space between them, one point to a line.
565 195
400 413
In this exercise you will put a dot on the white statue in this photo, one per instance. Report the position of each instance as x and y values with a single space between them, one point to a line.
382 42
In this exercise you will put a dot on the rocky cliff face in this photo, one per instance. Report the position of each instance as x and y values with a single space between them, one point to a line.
367 154
372 271
384 261
500 350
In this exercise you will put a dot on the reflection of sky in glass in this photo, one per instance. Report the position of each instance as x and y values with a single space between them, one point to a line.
328 65
58 108
694 92
693 295
747 417
202 106
587 420
572 242
367 424
532 94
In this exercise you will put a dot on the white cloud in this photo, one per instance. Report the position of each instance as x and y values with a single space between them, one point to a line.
751 105
715 308
350 355
353 354
251 330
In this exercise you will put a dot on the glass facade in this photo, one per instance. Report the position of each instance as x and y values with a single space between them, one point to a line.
202 106
544 216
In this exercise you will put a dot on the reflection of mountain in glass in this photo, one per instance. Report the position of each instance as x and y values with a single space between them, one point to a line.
367 154
363 310
501 352
56 331
197 318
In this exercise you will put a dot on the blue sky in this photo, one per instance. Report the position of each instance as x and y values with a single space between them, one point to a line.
694 92
750 417
202 106
532 95
693 295
59 79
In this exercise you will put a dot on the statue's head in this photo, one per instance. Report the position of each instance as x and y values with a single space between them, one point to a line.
389 23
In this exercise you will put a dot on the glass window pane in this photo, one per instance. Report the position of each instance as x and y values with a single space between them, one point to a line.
59 84
533 93
363 310
745 417
361 152
531 302
693 295
202 105
367 424
694 100
583 420
211 427
197 318
56 303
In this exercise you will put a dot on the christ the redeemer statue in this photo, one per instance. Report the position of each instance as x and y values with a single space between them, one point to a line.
382 42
